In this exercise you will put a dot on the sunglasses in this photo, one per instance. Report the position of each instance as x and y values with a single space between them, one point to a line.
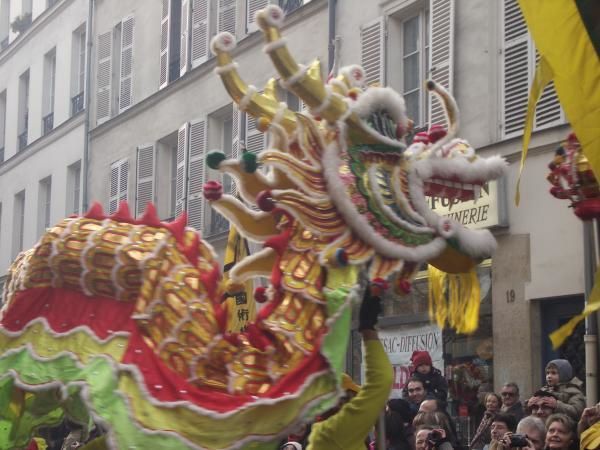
508 394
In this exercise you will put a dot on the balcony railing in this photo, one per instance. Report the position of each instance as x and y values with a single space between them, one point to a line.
77 103
48 123
289 5
22 140
218 224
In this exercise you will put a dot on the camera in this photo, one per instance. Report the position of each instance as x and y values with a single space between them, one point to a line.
435 436
518 440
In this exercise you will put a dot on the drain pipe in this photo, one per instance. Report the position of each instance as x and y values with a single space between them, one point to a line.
331 37
86 103
591 325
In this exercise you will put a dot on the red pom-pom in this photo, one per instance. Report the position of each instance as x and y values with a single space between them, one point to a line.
378 287
265 202
405 286
260 294
213 190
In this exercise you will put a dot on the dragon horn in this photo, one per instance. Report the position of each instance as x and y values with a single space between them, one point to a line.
450 107
248 99
306 82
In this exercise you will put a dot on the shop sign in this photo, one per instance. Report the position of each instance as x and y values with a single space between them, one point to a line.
400 343
488 211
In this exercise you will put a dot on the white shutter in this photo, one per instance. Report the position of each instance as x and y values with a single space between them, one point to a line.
372 51
548 111
226 16
516 70
181 170
126 78
251 7
199 32
441 53
255 139
165 24
103 76
236 128
144 186
119 173
195 205
184 58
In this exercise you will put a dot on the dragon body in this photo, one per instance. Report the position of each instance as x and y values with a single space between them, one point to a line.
119 322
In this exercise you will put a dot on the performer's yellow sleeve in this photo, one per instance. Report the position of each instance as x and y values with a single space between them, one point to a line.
348 429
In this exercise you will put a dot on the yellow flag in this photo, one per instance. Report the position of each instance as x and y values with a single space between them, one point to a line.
240 302
566 37
560 31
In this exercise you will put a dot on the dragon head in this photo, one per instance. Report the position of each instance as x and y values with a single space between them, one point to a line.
346 171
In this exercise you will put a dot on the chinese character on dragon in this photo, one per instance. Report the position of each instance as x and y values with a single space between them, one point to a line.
119 321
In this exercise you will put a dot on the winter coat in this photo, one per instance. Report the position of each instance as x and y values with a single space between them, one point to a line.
434 383
570 398
483 435
349 427
515 410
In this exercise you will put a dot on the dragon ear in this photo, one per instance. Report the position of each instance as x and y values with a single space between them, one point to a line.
95 212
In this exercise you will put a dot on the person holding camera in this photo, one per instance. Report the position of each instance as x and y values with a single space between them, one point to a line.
503 426
429 437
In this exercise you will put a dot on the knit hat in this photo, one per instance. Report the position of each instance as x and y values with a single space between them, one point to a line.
565 371
421 358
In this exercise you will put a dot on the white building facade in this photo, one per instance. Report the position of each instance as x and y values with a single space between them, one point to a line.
42 77
157 108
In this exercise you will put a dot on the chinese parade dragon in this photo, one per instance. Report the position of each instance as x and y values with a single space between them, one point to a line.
118 323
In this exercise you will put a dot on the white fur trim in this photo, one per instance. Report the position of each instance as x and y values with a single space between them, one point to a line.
324 104
361 226
372 175
274 45
247 98
295 78
272 14
223 42
349 74
400 196
377 98
220 70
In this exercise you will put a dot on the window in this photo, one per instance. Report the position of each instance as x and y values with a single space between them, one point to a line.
78 53
44 205
114 70
173 37
144 175
409 35
73 188
2 124
518 62
18 222
49 91
119 177
51 3
23 113
4 23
